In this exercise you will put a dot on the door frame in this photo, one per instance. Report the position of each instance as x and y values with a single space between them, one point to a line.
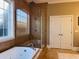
49 46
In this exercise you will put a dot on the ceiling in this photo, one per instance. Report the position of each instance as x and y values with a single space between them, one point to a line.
52 1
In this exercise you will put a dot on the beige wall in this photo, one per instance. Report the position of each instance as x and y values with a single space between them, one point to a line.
67 9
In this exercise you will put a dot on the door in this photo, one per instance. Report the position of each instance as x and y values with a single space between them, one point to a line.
66 32
55 31
61 32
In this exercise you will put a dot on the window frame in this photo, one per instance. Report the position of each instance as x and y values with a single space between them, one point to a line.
11 33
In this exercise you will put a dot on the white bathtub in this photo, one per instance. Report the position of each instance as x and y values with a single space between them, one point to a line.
19 53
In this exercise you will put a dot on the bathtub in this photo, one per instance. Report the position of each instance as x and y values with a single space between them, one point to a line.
19 53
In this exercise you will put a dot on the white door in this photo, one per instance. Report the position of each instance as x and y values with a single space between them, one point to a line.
54 32
61 32
66 32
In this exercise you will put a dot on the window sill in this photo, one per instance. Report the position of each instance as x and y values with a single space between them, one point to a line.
3 39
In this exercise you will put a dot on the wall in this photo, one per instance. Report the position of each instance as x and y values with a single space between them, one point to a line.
6 45
67 9
18 40
23 5
36 24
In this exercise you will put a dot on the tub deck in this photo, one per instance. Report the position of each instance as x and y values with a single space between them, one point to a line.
20 53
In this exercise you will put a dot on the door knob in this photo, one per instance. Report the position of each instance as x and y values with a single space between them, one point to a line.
60 34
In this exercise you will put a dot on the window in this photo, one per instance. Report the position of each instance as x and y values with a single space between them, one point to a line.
6 20
22 22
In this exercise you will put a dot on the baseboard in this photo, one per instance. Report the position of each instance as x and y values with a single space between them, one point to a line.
36 57
75 48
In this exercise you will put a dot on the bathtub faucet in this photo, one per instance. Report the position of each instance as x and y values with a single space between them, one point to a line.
32 46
